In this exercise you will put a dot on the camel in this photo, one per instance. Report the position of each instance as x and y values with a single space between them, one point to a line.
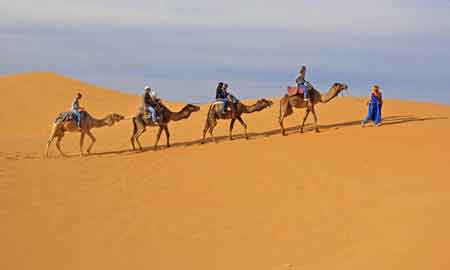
287 103
214 114
60 127
140 123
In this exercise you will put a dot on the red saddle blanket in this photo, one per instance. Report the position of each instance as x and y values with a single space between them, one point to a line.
294 90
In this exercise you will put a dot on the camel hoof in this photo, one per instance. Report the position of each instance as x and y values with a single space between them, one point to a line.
317 131
168 146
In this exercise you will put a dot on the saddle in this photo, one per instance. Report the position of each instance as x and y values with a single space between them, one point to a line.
294 90
65 117
70 116
218 106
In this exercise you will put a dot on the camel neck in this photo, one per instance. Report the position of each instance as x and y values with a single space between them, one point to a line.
328 96
177 116
253 108
98 123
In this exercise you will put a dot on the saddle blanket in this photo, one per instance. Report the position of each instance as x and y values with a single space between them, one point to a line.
65 116
294 90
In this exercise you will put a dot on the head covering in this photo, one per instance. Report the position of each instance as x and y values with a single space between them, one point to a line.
147 88
153 93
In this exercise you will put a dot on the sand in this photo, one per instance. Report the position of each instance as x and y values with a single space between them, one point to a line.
345 198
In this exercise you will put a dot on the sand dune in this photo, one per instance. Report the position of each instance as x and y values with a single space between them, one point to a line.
345 198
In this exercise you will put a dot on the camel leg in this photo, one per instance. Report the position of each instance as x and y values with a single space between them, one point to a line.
231 127
209 126
304 120
53 135
138 134
166 129
205 130
81 143
244 125
211 130
285 110
158 136
315 119
132 139
93 140
48 146
212 125
280 121
132 142
58 146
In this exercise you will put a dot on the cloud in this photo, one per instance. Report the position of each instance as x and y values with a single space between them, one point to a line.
257 46
307 15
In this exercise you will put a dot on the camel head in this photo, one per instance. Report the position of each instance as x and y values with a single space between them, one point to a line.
339 87
264 103
112 118
192 108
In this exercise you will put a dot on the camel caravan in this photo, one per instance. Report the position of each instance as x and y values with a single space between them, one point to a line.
153 113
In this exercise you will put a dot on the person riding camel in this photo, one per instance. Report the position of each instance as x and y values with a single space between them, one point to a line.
223 96
150 104
76 109
302 83
232 100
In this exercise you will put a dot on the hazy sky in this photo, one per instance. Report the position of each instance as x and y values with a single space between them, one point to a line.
183 48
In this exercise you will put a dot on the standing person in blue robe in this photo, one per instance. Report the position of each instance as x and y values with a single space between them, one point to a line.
375 104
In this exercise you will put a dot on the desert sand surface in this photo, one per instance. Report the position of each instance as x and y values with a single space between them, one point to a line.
345 198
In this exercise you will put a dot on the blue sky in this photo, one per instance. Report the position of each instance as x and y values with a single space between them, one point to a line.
182 48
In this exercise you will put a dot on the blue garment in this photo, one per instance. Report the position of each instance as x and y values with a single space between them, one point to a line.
75 105
374 113
303 84
305 88
75 108
152 113
77 115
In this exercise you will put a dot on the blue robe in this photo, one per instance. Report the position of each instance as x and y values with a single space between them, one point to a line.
374 113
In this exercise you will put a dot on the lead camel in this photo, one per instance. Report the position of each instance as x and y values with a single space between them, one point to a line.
288 103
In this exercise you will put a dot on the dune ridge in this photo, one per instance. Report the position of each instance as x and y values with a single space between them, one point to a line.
345 198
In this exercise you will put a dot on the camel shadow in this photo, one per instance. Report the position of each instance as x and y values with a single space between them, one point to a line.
387 121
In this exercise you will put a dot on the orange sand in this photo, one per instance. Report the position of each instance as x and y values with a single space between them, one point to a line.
346 198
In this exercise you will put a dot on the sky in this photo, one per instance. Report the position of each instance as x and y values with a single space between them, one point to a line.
183 48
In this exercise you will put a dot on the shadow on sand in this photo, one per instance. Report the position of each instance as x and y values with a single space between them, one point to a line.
387 121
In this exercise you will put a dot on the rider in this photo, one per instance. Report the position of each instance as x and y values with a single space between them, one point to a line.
150 102
302 83
222 95
232 100
76 109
